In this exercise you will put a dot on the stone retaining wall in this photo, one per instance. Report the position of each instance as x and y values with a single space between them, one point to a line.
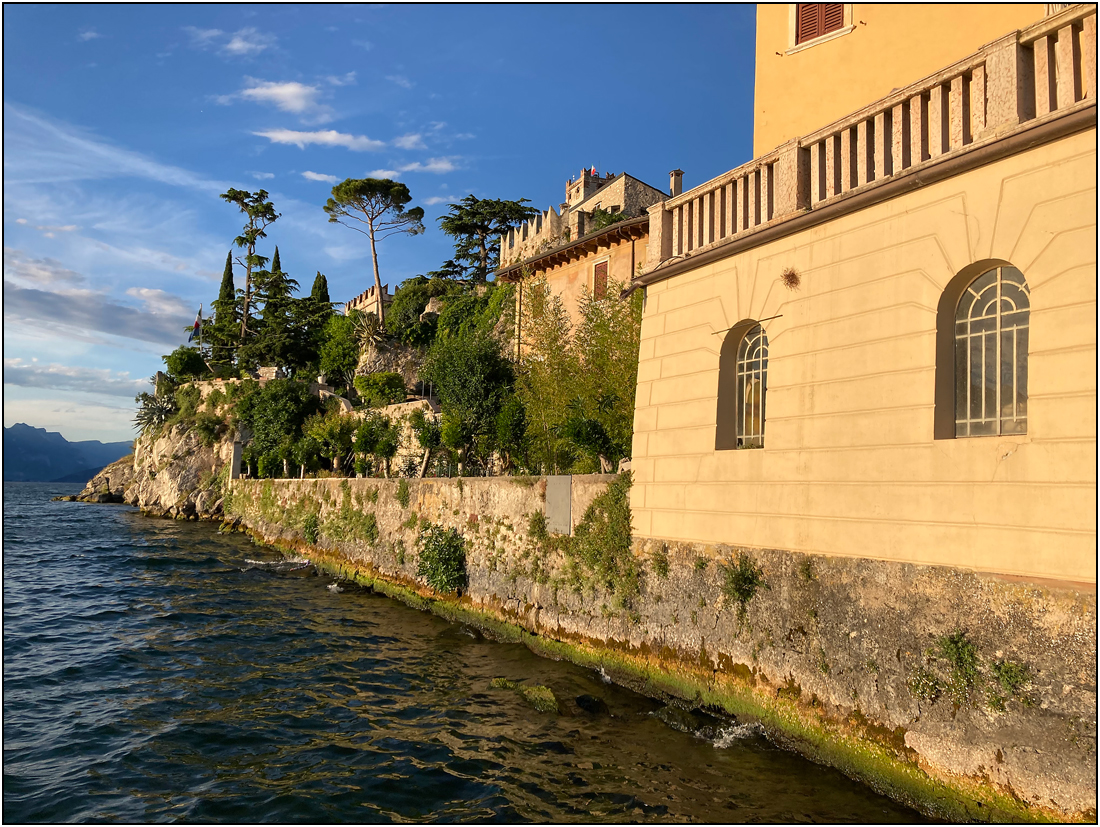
961 693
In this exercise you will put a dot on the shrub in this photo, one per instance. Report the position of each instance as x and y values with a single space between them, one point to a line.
403 493
209 426
601 542
185 362
311 527
742 581
380 389
442 558
660 562
924 685
958 651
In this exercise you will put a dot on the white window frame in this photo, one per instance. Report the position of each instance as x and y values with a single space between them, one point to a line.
792 30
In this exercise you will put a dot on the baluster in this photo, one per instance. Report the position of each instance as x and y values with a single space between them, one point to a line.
1069 78
700 221
917 131
899 132
937 118
883 165
1088 58
753 185
960 106
731 219
1044 81
832 166
677 231
977 102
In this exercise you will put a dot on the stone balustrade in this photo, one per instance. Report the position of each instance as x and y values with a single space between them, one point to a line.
1040 72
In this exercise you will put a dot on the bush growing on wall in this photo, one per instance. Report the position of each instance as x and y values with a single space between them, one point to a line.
442 558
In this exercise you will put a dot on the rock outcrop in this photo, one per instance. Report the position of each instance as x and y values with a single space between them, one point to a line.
171 474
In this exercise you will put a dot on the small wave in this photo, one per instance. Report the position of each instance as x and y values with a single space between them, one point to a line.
294 564
729 735
334 588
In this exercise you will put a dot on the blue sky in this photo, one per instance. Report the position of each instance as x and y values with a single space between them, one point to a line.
123 123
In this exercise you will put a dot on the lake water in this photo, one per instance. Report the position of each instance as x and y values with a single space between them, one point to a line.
159 671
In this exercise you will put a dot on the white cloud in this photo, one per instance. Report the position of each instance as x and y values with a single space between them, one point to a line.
365 45
434 165
328 137
50 230
20 221
160 302
437 125
410 141
401 81
465 136
88 34
39 272
262 176
317 176
343 80
438 199
291 96
245 42
248 41
67 377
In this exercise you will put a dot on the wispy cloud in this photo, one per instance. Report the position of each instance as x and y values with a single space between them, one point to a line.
365 45
161 302
317 176
246 42
39 272
411 141
401 81
262 176
327 137
342 80
69 378
38 150
433 165
438 199
88 34
291 96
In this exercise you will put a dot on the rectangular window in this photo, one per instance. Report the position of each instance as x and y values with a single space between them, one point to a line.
599 280
813 20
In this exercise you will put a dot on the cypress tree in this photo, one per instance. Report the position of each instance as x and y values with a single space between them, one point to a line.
320 289
225 318
276 265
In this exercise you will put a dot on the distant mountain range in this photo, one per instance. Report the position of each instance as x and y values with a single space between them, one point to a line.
38 455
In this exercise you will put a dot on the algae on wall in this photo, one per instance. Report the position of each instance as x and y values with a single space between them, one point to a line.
906 676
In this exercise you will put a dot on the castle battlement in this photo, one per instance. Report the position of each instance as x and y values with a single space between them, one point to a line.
367 301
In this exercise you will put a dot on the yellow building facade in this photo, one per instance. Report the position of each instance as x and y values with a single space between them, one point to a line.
874 49
813 319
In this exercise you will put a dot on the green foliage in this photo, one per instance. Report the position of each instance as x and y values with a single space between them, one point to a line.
332 433
260 214
209 426
925 685
339 353
410 300
603 218
742 581
1011 676
153 411
377 437
375 207
962 656
806 570
275 413
311 529
476 224
185 363
402 493
188 399
601 543
380 389
472 378
442 558
659 558
536 527
701 563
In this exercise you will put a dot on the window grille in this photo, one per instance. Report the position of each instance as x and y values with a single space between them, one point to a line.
752 386
991 341
599 280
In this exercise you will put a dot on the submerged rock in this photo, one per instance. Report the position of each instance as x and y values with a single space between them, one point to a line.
593 705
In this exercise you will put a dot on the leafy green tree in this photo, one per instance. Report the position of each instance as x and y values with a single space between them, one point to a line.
378 437
549 372
380 389
472 378
476 225
412 297
260 214
279 338
376 208
428 435
511 432
340 348
319 293
185 362
332 432
275 413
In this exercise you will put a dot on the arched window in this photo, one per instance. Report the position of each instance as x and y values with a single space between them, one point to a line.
991 339
742 387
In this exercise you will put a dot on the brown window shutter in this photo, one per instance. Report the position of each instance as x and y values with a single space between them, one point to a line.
599 280
832 17
807 22
815 19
